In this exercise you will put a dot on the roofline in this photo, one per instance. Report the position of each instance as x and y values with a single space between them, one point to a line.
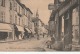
19 3
27 8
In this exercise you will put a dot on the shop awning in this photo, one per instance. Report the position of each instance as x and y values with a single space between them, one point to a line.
33 32
5 27
20 28
28 30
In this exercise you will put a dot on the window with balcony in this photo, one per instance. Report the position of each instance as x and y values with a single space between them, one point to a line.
3 3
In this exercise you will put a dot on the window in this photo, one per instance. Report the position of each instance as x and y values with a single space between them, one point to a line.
22 22
1 20
10 6
26 13
15 19
35 24
19 21
3 3
0 2
19 9
2 17
11 19
15 5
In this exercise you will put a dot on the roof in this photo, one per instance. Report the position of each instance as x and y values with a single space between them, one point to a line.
18 1
27 8
23 6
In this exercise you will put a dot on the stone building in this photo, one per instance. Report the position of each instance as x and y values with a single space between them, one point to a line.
69 11
6 30
15 17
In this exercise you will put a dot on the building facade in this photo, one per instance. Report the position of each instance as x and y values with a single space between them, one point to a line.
66 10
5 19
15 17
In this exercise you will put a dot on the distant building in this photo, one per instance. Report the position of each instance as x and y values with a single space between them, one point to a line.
39 26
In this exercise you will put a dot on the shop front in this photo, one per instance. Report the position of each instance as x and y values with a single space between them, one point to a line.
27 32
5 31
19 31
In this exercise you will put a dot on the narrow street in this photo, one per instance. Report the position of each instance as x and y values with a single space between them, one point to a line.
39 25
26 45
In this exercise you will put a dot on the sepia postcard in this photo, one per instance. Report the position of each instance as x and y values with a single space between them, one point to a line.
39 25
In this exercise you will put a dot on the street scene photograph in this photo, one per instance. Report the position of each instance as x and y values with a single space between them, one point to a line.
39 25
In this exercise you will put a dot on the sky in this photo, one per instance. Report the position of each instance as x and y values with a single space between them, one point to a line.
42 6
